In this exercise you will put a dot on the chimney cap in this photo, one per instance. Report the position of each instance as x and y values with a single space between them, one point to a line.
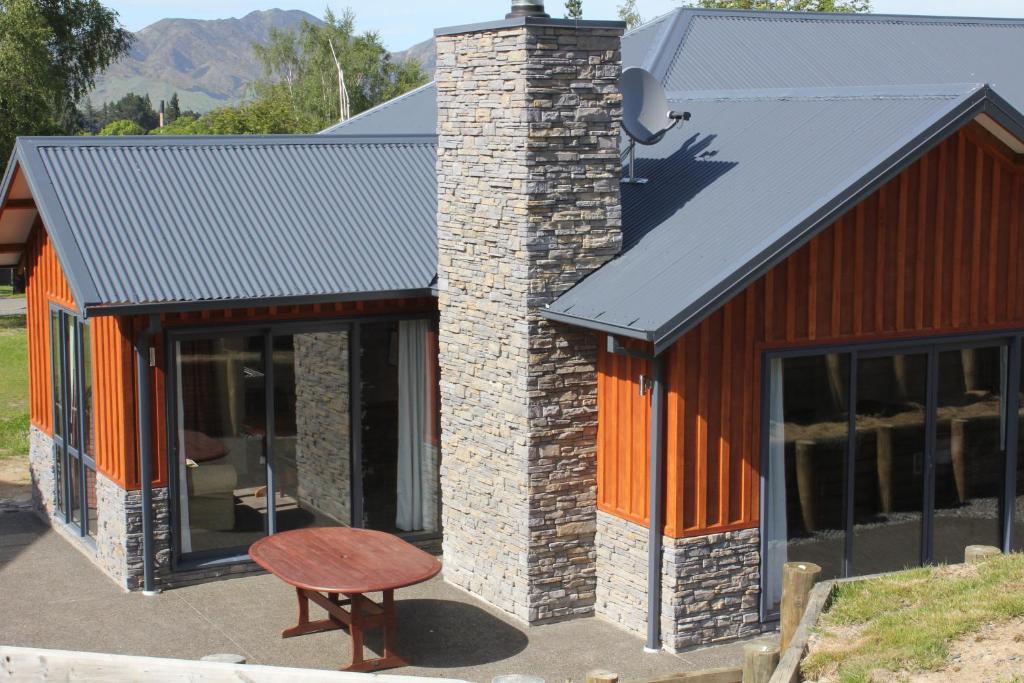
527 8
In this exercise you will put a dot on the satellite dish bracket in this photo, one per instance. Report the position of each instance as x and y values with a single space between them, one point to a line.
676 117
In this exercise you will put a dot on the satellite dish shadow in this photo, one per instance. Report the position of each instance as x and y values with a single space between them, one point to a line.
674 181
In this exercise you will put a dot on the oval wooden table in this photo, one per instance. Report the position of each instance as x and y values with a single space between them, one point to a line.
323 563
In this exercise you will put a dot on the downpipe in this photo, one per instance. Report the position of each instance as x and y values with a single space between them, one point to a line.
144 361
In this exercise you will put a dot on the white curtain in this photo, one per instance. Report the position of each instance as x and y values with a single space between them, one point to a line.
185 528
416 457
775 524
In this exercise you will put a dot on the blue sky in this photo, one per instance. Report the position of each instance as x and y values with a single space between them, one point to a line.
405 22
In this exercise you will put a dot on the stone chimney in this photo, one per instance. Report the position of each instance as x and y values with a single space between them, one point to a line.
528 205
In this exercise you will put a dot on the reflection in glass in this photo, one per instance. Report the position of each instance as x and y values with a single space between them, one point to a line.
399 427
889 466
90 501
75 501
807 455
970 456
312 459
55 368
221 434
87 410
72 378
1017 542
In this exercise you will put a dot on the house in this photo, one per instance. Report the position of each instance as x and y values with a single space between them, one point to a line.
448 318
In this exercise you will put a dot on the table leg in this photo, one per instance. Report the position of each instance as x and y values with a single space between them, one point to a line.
386 619
304 625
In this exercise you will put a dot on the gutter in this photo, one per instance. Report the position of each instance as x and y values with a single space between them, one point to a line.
144 360
656 488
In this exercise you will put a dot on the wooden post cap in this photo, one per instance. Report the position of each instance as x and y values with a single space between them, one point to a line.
760 660
224 658
973 554
798 578
602 676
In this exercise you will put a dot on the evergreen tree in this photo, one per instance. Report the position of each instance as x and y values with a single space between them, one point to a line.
574 9
173 110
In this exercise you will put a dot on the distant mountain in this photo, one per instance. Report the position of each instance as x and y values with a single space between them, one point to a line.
425 53
207 62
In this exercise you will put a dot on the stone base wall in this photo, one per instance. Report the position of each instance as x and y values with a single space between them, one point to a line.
710 585
622 572
711 588
41 464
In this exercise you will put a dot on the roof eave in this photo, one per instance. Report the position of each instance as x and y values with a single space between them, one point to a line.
158 308
617 330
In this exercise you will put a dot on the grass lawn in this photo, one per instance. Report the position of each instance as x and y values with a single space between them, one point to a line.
13 387
909 621
6 291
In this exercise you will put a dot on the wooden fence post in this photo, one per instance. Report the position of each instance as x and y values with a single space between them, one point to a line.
798 578
602 676
973 554
759 662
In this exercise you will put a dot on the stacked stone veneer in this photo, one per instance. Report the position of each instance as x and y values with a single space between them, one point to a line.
322 463
710 584
41 465
528 204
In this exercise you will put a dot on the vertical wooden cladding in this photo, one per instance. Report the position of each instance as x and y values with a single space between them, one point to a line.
934 251
45 283
623 435
114 397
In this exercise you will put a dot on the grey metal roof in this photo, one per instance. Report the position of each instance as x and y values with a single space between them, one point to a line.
746 182
414 113
149 222
730 50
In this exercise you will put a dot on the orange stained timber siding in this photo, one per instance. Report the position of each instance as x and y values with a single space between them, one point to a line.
44 283
934 251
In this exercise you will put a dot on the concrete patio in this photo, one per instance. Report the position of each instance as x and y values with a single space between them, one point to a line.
53 597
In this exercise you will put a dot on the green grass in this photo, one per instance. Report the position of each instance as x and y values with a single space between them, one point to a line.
6 292
13 387
907 621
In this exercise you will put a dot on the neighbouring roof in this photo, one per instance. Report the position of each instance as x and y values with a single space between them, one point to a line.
146 223
749 179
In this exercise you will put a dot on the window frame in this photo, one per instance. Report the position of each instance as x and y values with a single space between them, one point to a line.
65 455
932 346
269 330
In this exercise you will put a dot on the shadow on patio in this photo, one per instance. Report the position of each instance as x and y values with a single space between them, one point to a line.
55 598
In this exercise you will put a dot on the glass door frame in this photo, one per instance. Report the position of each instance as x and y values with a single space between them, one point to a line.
64 453
268 330
1013 340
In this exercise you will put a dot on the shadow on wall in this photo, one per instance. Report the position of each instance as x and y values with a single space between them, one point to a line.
442 634
674 181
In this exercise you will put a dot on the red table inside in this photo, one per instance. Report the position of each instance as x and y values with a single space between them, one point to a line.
323 563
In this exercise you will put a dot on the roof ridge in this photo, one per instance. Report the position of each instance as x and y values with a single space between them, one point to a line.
881 91
220 141
380 107
850 17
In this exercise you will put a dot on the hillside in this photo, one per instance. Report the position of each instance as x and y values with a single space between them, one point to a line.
207 62
425 53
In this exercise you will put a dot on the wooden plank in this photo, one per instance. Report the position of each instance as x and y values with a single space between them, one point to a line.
976 227
993 245
921 228
731 674
12 248
725 416
812 290
858 270
880 227
701 492
32 664
901 249
958 229
837 274
1013 297
940 232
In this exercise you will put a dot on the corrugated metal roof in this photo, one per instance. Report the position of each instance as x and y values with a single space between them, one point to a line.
728 50
742 185
414 113
139 221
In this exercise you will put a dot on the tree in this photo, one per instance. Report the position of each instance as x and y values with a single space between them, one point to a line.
574 9
843 6
123 127
136 108
173 110
629 14
327 72
50 53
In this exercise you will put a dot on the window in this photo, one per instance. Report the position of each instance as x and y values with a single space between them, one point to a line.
915 474
73 440
300 425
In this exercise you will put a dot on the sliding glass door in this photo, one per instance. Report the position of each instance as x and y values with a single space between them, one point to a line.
918 471
73 444
288 427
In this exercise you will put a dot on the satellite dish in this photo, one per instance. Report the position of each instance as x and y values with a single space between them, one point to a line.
646 114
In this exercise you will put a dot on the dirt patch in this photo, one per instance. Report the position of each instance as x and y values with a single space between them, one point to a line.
994 653
15 481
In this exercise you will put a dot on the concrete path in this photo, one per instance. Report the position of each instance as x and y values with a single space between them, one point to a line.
12 305
54 597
